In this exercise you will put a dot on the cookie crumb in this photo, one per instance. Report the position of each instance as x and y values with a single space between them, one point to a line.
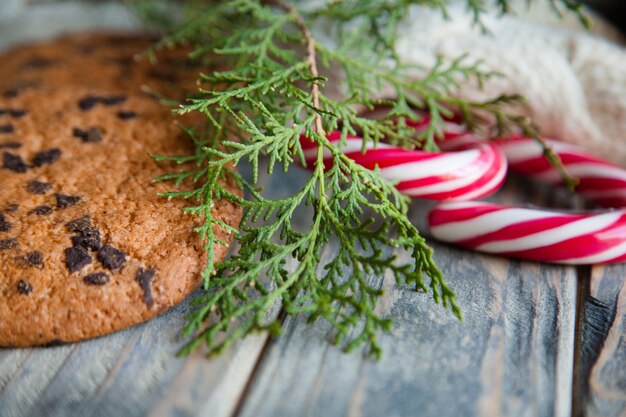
14 163
111 258
97 278
144 277
76 258
38 187
65 201
24 288
47 157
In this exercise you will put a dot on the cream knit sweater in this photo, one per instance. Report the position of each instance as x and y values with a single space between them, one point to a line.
574 80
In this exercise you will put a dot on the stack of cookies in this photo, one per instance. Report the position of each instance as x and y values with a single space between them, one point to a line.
87 246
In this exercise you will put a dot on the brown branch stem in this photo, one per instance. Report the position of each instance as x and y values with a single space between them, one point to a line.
311 55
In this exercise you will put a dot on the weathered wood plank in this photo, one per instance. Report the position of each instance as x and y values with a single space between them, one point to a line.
601 363
125 374
512 355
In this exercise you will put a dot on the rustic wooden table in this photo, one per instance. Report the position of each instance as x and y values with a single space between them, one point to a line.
537 340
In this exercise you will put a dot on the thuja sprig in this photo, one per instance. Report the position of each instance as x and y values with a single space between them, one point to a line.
270 92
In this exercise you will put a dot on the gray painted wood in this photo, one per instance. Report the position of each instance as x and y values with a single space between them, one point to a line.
512 355
601 387
130 373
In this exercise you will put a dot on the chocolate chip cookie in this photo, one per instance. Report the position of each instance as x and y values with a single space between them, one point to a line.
87 246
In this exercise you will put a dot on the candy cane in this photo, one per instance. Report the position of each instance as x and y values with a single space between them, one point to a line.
534 234
469 168
600 182
453 176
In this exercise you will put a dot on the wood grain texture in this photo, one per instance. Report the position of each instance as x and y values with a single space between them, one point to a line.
512 355
601 370
131 373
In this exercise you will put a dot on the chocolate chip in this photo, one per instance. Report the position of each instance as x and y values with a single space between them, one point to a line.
14 162
113 100
34 258
39 62
17 113
125 115
5 226
144 277
89 239
41 210
7 128
76 258
88 102
55 343
97 278
12 208
10 92
65 201
89 136
47 157
8 244
24 288
38 187
11 145
80 224
111 257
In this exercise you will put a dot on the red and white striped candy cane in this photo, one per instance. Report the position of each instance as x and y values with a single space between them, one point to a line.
452 176
600 182
543 235
478 169
534 234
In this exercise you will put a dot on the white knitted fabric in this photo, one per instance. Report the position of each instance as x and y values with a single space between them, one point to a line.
574 81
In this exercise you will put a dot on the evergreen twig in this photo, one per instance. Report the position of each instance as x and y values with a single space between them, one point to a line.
271 93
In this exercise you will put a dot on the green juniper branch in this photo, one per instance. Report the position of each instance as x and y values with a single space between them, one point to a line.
270 94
